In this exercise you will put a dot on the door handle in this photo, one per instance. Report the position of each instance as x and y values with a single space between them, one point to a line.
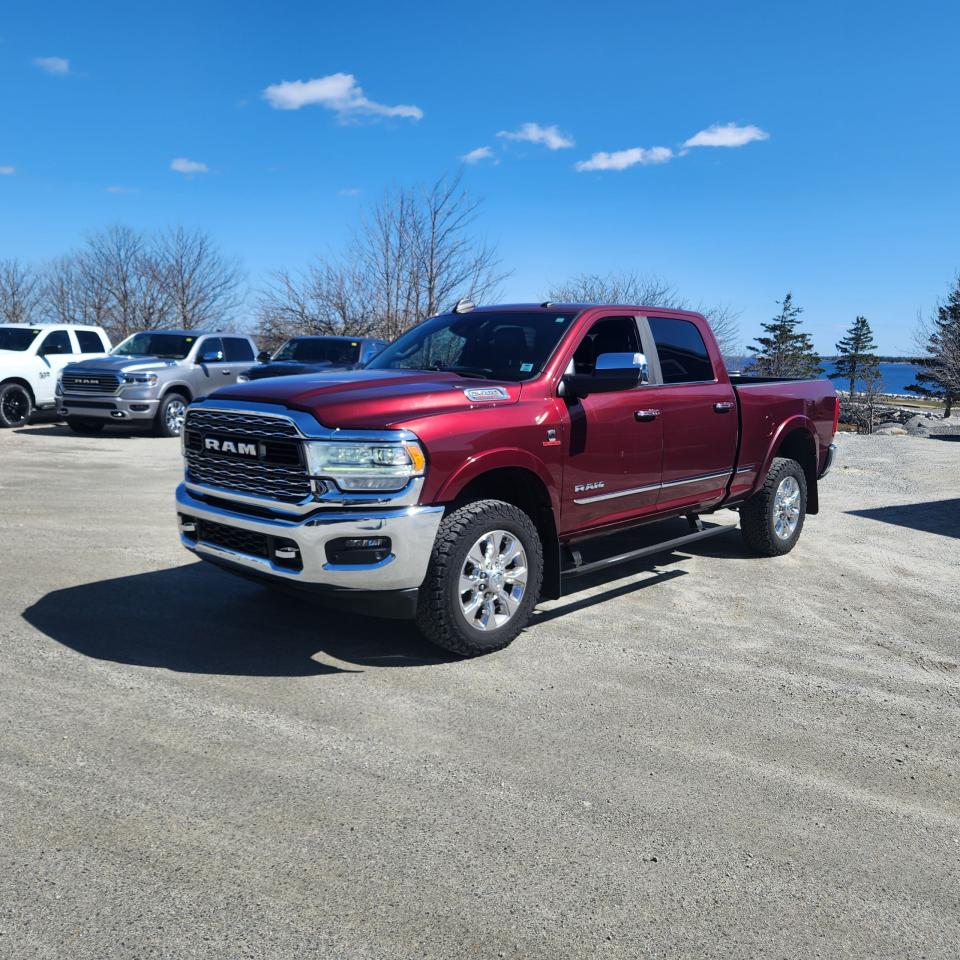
644 416
226 373
724 406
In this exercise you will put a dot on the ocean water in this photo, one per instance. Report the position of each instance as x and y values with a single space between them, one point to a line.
895 376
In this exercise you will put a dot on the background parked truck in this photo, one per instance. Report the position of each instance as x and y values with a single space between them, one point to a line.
150 379
481 458
31 359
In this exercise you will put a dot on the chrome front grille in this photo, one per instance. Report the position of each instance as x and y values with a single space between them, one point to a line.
277 474
240 424
89 382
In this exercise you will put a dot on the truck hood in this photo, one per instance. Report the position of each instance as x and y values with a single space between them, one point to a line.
125 364
287 368
16 358
370 399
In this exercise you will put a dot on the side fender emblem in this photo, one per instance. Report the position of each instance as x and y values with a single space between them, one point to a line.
485 394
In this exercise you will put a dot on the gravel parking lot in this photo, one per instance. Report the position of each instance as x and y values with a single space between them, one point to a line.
712 756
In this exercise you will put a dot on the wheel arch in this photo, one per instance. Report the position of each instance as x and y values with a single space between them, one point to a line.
525 489
21 382
797 440
177 387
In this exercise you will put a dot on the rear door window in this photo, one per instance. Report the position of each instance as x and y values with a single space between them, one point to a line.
237 350
90 342
683 354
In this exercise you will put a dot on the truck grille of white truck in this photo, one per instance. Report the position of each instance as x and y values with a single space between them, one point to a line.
276 472
92 382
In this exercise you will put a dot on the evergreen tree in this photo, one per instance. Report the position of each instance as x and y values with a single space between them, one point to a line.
940 377
856 359
785 351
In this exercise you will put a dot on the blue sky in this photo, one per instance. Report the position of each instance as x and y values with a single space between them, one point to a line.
846 189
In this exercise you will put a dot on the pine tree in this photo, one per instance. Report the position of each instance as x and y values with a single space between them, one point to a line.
856 359
785 351
940 377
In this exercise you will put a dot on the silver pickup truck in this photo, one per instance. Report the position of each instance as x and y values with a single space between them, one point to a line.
150 379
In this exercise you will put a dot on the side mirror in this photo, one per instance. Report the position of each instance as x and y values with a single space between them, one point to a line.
264 356
612 373
211 356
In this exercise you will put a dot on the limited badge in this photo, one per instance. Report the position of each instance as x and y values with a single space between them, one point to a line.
485 394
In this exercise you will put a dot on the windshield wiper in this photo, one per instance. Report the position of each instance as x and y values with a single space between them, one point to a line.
480 373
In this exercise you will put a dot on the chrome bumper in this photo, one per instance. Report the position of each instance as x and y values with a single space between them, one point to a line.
111 407
828 463
412 531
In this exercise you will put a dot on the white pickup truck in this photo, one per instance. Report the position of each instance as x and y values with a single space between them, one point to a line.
31 358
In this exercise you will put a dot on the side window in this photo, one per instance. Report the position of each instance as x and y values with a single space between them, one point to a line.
683 354
208 346
237 350
90 341
608 335
55 343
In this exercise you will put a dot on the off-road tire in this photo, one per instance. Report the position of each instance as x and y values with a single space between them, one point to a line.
439 616
160 427
758 515
16 405
82 425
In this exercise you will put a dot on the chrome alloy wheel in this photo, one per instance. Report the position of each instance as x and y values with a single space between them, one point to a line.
174 416
493 580
786 508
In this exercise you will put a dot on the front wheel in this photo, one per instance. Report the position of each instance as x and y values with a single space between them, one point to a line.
771 520
16 405
170 416
483 580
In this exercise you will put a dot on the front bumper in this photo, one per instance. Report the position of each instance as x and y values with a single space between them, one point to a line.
828 463
122 409
412 531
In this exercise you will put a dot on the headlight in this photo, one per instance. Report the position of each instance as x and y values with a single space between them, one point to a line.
150 379
366 466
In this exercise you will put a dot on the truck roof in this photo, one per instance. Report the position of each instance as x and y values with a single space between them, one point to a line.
54 326
195 333
550 306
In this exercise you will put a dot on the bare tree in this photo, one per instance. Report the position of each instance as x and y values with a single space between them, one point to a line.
629 287
198 285
21 292
326 299
939 338
413 254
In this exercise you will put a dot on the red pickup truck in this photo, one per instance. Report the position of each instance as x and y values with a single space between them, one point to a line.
485 457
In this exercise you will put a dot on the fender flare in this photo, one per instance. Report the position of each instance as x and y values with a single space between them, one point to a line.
498 459
802 422
173 384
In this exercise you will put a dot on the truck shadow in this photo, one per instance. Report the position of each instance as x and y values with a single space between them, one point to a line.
196 619
123 432
934 516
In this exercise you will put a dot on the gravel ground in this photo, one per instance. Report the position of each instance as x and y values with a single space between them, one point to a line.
715 756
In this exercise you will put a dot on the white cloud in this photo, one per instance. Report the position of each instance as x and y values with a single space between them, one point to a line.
183 165
475 156
550 136
118 189
339 92
727 135
622 159
55 65
349 192
7 171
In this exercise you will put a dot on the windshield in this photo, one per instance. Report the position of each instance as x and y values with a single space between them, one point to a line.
169 346
496 345
319 350
17 338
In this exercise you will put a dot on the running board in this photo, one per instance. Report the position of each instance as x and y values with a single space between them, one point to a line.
702 533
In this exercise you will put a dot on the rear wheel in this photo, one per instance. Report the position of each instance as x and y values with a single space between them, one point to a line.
82 425
483 580
16 405
170 416
771 520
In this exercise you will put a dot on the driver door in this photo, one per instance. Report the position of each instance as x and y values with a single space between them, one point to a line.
615 451
54 353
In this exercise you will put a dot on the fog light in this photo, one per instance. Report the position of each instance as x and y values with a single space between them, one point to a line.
358 550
